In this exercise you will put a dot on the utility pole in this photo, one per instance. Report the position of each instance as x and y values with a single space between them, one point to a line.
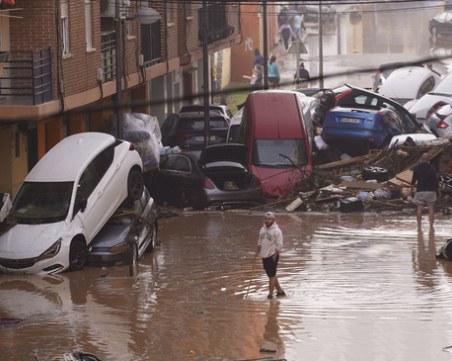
118 30
265 31
205 72
320 46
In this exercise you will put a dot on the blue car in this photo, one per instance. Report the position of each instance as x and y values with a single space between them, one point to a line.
356 130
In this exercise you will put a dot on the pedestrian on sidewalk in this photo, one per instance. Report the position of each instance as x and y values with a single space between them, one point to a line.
426 181
286 34
257 77
298 26
302 78
258 58
269 247
273 73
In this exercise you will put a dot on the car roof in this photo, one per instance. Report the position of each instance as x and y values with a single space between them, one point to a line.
200 107
66 159
213 114
405 82
265 105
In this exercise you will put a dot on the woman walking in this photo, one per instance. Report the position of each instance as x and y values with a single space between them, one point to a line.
273 73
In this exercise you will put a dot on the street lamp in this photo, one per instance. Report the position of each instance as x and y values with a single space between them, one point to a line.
144 15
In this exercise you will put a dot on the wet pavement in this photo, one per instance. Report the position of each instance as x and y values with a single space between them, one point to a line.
359 286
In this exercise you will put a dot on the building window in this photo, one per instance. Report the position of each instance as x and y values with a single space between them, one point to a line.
65 26
88 26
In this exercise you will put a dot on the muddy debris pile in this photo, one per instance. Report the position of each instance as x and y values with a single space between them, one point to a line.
377 181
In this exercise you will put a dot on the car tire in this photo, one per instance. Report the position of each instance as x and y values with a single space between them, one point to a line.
198 202
153 236
78 255
378 173
135 184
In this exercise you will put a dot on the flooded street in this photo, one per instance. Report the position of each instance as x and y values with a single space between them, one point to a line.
358 286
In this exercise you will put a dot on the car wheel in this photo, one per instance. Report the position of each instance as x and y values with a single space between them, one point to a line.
77 255
198 202
445 183
135 184
373 172
153 236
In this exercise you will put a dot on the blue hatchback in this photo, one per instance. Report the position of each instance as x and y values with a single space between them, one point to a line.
355 130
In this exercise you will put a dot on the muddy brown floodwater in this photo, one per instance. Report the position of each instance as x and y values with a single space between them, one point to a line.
359 287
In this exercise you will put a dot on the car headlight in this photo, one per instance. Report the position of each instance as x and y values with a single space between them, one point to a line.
52 251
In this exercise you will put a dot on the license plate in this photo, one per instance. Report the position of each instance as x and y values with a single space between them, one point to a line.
350 120
201 139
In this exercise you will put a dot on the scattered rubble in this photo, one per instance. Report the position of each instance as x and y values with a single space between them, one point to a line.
344 183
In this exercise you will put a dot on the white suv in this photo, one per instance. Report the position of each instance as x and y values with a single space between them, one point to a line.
65 200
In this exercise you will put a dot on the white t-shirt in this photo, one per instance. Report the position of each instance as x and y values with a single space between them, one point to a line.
270 240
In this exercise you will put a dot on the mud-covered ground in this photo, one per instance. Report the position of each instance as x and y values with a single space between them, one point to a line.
359 286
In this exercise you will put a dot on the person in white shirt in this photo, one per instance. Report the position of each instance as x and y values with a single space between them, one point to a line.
269 247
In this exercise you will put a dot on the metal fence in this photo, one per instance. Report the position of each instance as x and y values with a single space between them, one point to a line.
26 77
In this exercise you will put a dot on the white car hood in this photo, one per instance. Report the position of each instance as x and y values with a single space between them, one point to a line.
29 240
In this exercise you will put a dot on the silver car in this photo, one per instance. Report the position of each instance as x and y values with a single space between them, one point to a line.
440 121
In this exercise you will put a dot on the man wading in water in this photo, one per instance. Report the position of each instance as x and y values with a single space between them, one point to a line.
269 246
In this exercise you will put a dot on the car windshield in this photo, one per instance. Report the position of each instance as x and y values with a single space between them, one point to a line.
197 125
280 152
445 86
42 202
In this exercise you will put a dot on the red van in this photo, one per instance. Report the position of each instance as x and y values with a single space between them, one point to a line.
277 128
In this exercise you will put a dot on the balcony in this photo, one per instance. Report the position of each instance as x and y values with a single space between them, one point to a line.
217 26
25 77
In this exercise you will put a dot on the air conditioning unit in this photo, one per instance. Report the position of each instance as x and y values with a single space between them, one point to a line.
108 8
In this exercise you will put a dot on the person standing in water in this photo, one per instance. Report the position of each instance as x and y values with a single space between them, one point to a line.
269 247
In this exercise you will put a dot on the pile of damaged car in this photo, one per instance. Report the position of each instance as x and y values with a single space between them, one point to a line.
94 198
64 208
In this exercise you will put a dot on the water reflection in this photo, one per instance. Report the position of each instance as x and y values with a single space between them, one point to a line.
272 342
356 284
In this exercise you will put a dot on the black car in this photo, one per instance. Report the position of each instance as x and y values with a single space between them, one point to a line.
187 130
129 233
223 109
440 26
219 176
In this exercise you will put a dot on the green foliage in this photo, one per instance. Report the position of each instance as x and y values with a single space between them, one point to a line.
234 94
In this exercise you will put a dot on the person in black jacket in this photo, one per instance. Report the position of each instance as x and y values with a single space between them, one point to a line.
426 181
302 78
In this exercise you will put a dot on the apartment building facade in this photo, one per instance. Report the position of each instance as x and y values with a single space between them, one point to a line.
61 62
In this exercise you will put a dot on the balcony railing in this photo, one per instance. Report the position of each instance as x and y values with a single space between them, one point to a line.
26 77
217 26
108 55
